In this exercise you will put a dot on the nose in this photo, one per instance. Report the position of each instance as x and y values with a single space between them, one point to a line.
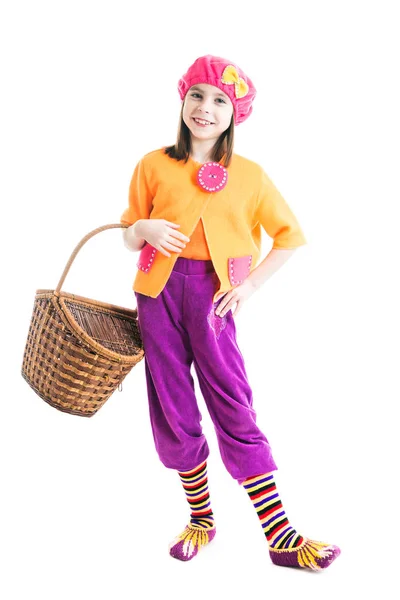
205 104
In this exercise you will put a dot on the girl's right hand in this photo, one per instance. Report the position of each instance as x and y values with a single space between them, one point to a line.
162 235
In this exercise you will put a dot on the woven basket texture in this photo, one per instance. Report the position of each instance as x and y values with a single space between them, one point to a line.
79 350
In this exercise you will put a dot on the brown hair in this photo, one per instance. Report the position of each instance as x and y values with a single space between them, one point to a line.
182 148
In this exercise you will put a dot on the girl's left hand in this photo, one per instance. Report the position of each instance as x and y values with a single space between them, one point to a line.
238 296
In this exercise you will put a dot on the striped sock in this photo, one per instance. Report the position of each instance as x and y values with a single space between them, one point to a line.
286 546
195 484
201 529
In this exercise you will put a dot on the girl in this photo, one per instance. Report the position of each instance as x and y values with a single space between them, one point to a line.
195 212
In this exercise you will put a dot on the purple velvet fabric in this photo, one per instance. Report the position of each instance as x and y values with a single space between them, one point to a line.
179 328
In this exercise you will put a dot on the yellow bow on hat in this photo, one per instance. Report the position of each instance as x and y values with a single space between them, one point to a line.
231 76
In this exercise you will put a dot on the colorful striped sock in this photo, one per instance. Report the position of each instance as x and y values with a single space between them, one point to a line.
286 546
201 529
195 484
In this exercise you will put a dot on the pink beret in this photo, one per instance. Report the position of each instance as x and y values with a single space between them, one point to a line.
225 75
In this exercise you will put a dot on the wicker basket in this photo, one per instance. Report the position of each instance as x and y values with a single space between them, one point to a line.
79 350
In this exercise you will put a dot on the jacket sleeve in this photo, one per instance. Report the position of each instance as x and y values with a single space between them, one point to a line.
275 216
139 198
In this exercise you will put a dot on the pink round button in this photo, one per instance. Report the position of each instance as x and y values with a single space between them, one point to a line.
212 177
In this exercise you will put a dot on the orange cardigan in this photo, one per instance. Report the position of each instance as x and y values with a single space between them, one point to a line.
225 226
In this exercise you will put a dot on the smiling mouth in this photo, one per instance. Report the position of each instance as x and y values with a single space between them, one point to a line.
202 121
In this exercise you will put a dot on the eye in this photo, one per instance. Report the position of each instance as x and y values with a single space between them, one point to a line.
197 94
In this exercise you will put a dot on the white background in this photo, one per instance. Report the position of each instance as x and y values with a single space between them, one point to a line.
87 508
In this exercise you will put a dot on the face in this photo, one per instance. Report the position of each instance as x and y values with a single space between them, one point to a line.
207 103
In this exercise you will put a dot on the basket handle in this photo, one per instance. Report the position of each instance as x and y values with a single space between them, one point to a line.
79 246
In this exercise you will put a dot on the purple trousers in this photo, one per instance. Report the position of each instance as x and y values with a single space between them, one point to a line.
179 328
